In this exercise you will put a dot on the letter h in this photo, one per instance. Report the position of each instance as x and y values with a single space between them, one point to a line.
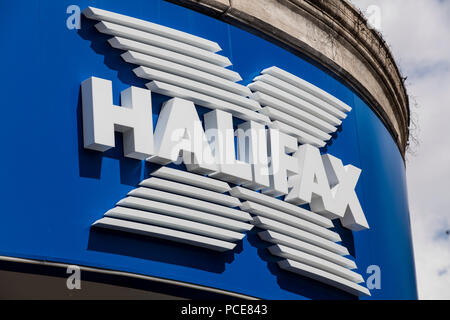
101 118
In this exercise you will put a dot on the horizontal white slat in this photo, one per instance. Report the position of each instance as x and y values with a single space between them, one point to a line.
266 100
103 15
313 261
308 87
182 201
212 90
268 224
299 93
174 223
184 213
274 114
162 42
274 203
207 101
293 100
323 276
190 191
264 211
164 233
185 72
301 136
181 59
278 238
193 179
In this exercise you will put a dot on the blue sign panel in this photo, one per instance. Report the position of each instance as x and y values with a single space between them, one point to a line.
54 189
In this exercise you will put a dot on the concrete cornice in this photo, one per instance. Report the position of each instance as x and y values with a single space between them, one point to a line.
334 34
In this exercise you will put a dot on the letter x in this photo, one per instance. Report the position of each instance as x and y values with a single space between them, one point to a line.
343 182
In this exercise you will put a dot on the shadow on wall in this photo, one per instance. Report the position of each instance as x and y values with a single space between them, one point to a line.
153 249
90 161
330 142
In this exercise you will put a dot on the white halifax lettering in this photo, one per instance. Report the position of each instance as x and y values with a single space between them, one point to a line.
259 158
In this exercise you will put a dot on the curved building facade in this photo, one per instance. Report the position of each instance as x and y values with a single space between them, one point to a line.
202 149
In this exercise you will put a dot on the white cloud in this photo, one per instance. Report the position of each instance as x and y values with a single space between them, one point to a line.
418 32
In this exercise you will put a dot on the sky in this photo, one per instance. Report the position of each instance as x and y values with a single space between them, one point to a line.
418 32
